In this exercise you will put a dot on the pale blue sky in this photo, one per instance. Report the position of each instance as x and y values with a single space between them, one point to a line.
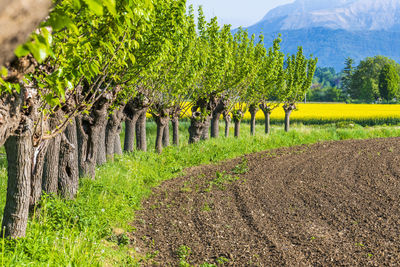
237 12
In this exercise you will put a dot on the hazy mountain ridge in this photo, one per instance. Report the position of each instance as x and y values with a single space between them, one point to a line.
351 15
334 30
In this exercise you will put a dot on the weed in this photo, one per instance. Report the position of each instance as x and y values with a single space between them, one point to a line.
241 168
222 260
206 207
183 253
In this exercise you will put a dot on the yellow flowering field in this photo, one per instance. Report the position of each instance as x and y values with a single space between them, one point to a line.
319 113
337 112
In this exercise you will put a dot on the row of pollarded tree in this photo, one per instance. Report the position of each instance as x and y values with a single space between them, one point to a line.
90 67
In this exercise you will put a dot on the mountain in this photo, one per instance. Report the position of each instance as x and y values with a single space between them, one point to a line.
334 30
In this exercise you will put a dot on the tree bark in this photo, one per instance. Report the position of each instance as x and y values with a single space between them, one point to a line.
267 121
175 131
288 108
68 171
227 119
37 173
130 131
237 128
88 129
141 141
287 120
112 131
161 122
101 147
205 135
165 139
253 111
19 157
132 111
216 115
117 144
197 127
51 163
215 125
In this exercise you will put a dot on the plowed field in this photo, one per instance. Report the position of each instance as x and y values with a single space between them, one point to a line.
329 204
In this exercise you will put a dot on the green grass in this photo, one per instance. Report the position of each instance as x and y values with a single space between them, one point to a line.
93 230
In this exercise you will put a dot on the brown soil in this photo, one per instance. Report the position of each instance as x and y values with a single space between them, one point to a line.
328 204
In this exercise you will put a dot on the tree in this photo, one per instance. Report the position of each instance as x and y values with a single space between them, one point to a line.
389 80
299 74
365 80
348 72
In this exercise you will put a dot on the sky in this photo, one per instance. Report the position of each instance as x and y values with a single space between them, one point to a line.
237 12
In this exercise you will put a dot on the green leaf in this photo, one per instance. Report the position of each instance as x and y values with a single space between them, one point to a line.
3 72
110 4
96 6
21 51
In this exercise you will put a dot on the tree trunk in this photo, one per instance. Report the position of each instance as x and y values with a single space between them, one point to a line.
197 127
227 119
88 129
253 111
130 131
162 122
101 147
19 151
205 135
51 163
237 128
68 171
267 121
287 119
132 111
215 124
141 142
117 145
165 139
175 131
37 173
112 132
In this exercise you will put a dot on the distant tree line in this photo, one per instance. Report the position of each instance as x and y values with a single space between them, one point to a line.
375 79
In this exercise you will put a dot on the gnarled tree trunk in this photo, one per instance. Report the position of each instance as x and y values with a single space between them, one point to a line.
216 115
19 151
175 131
165 140
253 111
117 144
68 171
227 119
237 118
288 108
141 138
237 128
267 121
101 147
88 129
37 172
112 131
132 111
205 135
198 126
51 163
130 131
160 131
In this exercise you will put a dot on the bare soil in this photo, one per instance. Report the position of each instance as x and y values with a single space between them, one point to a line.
329 204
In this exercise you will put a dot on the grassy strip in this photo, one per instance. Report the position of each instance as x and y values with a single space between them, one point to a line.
94 229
